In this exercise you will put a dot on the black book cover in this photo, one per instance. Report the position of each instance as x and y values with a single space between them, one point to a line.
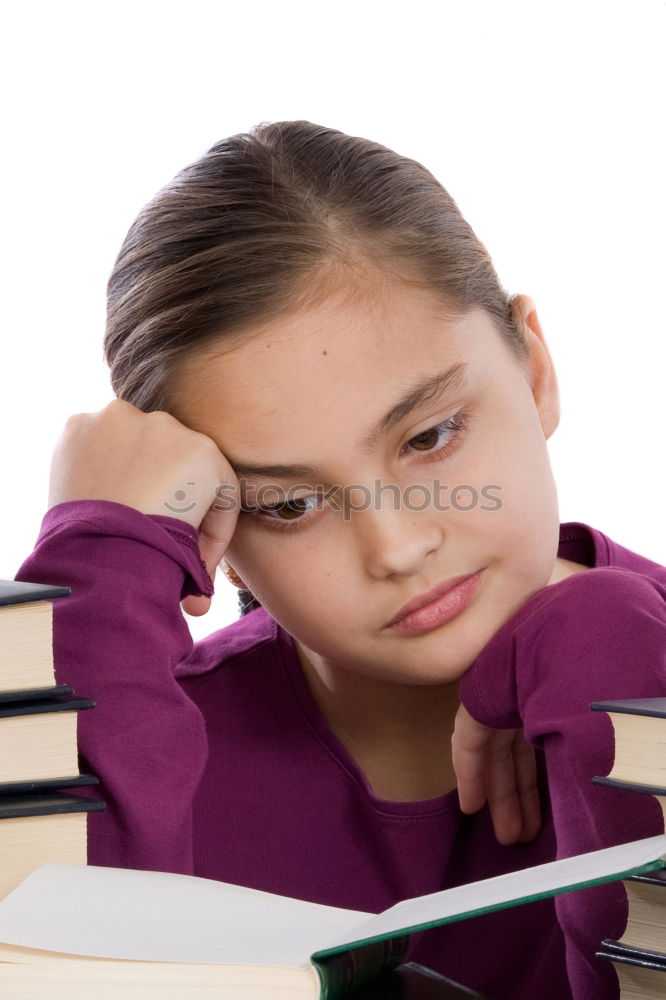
30 694
630 786
58 703
12 806
656 707
21 592
657 877
46 784
618 952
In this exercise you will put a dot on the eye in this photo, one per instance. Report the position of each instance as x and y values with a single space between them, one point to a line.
289 515
295 514
429 441
424 440
292 508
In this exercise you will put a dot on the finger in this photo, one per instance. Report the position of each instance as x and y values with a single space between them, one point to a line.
219 523
214 535
470 779
503 799
196 605
211 552
527 788
469 743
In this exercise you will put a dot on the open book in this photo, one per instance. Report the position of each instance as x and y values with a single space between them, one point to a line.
77 931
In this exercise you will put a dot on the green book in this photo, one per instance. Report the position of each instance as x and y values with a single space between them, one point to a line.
107 927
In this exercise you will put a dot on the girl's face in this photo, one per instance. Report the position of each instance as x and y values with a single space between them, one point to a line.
455 483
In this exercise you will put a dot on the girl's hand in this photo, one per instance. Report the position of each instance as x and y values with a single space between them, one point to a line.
152 462
498 765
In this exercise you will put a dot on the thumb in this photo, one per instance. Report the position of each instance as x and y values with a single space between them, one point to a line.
215 533
199 604
196 605
211 551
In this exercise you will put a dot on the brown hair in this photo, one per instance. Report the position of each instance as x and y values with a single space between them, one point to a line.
259 226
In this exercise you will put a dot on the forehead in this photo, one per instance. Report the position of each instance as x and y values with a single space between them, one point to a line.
326 373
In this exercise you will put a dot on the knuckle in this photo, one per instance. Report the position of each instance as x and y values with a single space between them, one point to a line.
160 416
75 426
208 446
118 406
75 419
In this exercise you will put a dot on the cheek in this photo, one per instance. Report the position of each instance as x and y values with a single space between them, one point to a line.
254 557
513 451
282 570
304 604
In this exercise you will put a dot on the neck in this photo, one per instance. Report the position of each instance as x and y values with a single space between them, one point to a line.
399 734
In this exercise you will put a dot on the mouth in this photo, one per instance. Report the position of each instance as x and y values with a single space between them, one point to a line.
436 606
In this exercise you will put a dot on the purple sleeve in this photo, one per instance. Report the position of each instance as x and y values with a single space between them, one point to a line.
596 636
117 639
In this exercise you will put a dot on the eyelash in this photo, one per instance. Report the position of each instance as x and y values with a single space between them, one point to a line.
456 425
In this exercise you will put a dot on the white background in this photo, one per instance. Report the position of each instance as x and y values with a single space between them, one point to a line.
544 121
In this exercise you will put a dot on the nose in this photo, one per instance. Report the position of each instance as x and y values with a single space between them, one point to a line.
395 542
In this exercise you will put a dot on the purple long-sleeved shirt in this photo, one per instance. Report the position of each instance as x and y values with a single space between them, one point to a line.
215 760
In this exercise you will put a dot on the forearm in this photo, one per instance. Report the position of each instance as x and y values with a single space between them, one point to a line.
599 637
117 639
602 636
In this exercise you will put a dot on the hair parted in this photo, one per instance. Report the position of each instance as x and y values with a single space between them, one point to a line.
260 226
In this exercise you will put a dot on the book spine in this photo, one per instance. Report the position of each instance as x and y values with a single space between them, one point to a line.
344 974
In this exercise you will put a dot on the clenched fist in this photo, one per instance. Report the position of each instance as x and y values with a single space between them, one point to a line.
152 462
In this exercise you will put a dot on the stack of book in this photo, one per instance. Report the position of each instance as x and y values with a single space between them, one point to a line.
39 822
69 930
639 956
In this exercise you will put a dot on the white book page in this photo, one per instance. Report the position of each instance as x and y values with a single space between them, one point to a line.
159 916
554 875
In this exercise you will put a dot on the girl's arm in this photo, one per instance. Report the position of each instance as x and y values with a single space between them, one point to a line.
117 639
596 636
116 475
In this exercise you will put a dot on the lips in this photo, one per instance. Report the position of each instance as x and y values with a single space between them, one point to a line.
428 597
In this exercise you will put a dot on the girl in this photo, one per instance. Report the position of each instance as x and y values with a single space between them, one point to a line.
322 383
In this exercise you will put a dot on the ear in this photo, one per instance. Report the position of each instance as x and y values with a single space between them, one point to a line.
539 369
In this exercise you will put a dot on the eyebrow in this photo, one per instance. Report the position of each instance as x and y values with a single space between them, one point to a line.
425 391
